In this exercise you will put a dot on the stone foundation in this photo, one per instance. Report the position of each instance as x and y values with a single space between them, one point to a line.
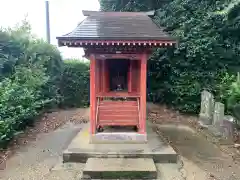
122 137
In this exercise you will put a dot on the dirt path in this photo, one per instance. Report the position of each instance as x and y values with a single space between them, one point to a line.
37 153
32 161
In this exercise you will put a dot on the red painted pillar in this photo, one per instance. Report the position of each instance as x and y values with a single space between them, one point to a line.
92 94
143 93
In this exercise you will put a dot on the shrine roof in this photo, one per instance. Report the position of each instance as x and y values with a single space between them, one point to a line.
116 26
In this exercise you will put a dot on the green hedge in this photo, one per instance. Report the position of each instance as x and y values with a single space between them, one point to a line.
21 100
209 47
75 84
19 47
34 79
30 77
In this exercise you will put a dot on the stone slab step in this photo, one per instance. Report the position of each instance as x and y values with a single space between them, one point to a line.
81 148
118 137
120 168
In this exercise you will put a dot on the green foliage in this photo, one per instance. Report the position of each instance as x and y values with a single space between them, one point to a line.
75 84
205 52
10 52
131 5
223 87
30 77
18 46
20 100
229 94
209 47
234 95
236 111
49 56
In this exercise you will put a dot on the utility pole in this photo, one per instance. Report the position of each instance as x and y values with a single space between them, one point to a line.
47 22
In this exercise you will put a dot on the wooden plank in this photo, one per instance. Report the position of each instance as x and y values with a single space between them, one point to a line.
92 95
119 56
119 94
143 86
116 113
120 103
118 120
120 106
116 123
123 110
117 108
118 117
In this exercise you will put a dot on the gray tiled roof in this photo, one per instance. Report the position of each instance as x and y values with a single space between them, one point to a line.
116 26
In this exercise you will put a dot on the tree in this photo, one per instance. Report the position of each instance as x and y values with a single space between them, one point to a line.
131 5
209 47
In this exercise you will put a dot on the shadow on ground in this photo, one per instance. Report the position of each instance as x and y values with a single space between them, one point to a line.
195 148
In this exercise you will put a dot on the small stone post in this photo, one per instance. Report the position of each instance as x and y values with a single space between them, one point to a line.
218 115
207 108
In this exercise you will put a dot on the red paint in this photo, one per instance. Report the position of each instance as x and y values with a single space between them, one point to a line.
118 103
92 94
84 43
121 113
118 56
118 94
143 86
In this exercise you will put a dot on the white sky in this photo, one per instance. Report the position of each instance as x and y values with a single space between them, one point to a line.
64 17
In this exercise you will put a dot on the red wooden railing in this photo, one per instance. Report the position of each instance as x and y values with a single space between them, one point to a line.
117 113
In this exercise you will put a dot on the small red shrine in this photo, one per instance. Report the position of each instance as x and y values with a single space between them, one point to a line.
118 45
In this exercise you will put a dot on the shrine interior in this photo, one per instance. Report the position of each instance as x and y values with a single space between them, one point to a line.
118 74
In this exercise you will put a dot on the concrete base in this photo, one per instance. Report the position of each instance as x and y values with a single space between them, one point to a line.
81 149
119 168
118 137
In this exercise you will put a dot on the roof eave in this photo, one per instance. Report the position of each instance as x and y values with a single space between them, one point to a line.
144 43
71 38
92 13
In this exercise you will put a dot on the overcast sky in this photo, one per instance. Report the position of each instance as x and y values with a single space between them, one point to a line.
64 17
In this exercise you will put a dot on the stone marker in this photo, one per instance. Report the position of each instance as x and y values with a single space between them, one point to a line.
218 114
207 107
227 126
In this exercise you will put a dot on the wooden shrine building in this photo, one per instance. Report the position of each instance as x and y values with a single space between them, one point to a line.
118 45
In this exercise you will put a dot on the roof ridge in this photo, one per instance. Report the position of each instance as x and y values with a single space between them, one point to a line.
112 13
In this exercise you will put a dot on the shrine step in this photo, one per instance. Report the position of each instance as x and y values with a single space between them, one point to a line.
118 138
118 103
120 168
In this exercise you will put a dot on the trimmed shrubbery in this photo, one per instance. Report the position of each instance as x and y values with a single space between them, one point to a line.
75 84
209 47
21 100
33 79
